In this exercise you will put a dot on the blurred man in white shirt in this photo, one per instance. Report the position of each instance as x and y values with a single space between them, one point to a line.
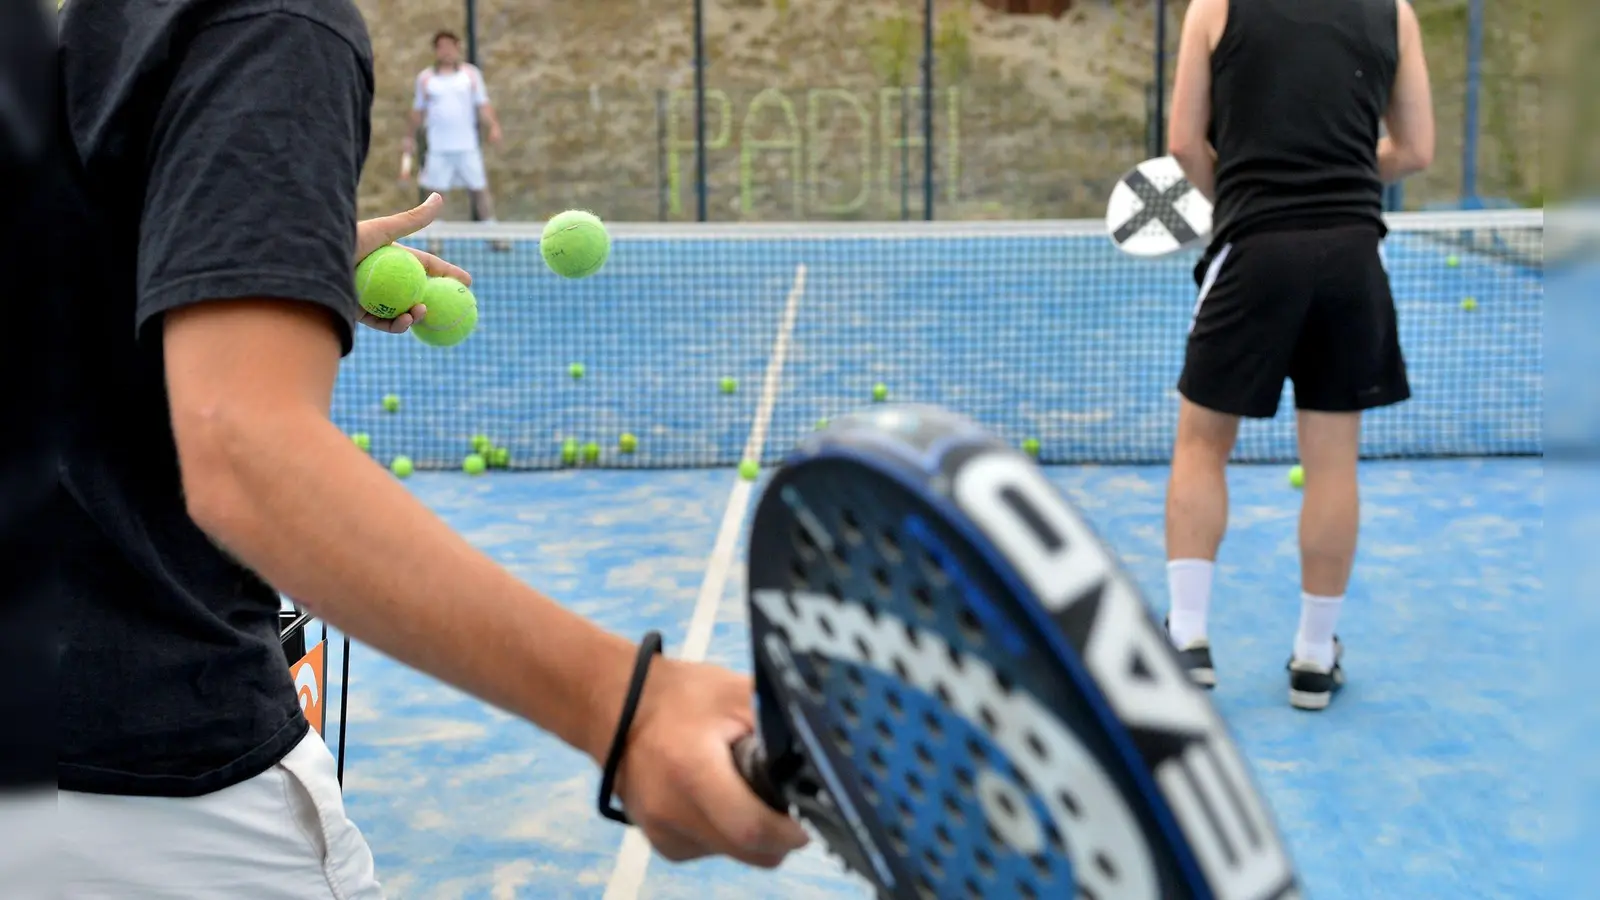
451 99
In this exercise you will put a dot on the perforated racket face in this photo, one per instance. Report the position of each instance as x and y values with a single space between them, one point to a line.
933 731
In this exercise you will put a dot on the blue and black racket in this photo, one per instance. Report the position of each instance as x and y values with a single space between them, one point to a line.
963 693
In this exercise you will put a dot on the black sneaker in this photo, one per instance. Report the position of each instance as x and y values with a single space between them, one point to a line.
1312 687
1196 659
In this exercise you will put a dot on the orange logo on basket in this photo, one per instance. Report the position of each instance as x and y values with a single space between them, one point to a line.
307 675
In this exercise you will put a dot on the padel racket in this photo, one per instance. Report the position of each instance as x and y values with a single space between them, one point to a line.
963 693
1154 210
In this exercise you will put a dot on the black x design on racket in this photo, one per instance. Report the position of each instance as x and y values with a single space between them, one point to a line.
962 691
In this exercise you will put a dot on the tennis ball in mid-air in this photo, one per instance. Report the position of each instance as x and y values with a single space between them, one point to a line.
499 457
401 466
1452 260
481 443
749 469
362 440
880 392
474 464
1030 446
730 385
389 281
575 244
1297 477
591 452
1469 304
569 452
452 313
391 403
627 443
576 370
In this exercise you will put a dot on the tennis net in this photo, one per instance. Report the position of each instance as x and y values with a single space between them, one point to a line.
1041 330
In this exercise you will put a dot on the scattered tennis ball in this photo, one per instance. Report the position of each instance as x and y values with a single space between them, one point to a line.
822 423
569 452
391 403
1297 477
576 370
627 443
1469 304
591 452
452 313
575 244
481 443
730 385
1030 446
362 440
499 457
401 466
880 393
749 470
474 464
1452 260
389 281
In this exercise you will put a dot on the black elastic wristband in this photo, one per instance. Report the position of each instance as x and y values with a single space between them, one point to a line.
648 648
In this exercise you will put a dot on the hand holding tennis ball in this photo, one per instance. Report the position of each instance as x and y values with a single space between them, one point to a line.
575 244
380 234
452 313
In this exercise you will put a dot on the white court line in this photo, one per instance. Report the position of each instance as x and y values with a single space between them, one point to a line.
633 858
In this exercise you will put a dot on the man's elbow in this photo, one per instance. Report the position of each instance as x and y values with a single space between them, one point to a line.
1186 150
212 442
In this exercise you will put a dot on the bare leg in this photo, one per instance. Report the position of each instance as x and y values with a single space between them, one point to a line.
1330 518
482 205
1197 515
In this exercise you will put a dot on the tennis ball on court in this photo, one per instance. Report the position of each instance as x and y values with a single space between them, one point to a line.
474 464
452 313
627 443
749 469
362 440
569 452
1452 261
401 466
389 281
591 452
575 244
391 403
822 423
1469 304
880 393
1297 477
576 370
481 443
499 457
1030 446
730 385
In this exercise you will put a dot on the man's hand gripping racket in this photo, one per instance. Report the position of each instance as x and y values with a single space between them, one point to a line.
962 692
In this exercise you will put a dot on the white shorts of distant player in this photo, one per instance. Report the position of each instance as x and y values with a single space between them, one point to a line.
449 170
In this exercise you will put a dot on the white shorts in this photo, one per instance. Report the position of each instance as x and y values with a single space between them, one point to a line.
447 170
282 835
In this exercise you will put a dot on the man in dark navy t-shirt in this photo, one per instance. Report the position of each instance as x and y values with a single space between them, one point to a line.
1275 116
214 149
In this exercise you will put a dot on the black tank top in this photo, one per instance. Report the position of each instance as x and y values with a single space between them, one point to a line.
1298 88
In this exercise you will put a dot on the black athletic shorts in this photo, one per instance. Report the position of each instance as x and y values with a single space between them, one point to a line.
1313 306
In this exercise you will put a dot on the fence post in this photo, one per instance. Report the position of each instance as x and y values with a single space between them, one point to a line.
927 110
700 108
662 111
1469 116
472 32
1161 78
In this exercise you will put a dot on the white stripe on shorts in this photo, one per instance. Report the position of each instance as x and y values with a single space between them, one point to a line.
1212 271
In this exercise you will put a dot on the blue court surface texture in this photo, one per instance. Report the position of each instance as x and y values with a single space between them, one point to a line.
1419 782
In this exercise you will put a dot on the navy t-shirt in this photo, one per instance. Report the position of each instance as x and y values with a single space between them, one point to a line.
215 149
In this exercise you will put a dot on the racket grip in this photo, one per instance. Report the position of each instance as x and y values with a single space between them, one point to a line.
750 756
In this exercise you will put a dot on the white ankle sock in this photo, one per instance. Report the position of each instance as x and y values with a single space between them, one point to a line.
1189 590
1319 616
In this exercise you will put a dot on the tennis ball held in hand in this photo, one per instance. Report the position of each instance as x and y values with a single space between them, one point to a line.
452 313
575 244
389 281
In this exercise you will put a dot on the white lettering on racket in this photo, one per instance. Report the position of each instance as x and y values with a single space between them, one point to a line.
1207 786
1099 822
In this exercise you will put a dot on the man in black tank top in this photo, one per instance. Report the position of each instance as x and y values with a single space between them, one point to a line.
1275 117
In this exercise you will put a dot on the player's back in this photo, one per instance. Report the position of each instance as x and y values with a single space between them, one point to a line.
1298 89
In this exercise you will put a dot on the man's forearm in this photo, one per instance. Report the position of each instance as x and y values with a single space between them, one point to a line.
413 123
1200 168
1394 163
303 507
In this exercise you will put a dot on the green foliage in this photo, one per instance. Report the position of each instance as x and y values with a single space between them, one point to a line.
952 42
893 47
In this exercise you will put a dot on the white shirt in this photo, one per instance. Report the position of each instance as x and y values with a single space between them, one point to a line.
449 103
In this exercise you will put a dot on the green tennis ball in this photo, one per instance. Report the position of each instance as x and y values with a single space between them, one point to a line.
1297 477
575 244
499 457
481 443
1452 261
576 370
749 470
1030 446
1469 304
821 424
591 452
730 385
389 281
362 440
391 403
627 443
474 464
401 466
569 452
880 393
452 313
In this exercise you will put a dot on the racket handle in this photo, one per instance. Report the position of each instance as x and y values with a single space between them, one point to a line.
750 756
